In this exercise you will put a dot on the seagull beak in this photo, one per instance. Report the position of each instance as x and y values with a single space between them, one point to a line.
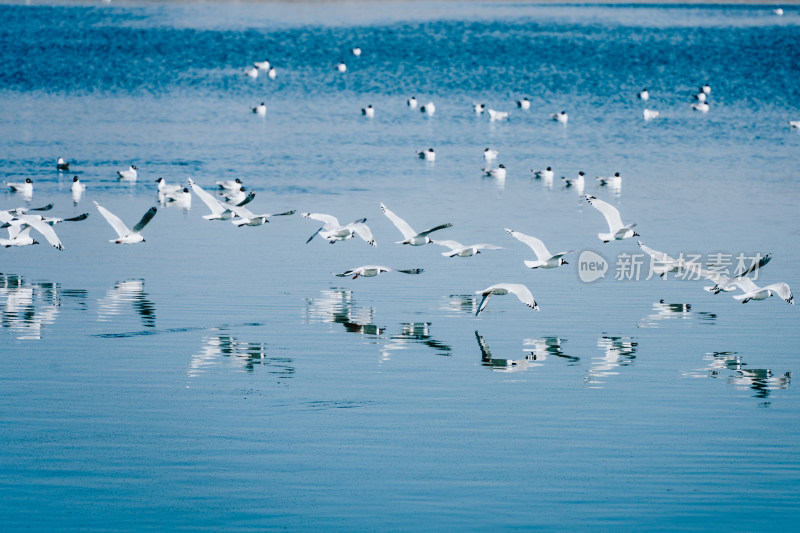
564 262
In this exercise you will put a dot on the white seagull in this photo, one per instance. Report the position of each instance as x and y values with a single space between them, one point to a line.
129 174
615 181
341 67
722 282
459 250
25 188
230 185
479 108
489 154
182 198
427 155
546 174
368 111
260 109
524 104
560 117
520 291
77 188
262 65
754 292
643 95
578 182
62 164
617 231
332 231
167 188
409 235
245 217
219 210
272 73
701 106
497 115
544 259
370 271
356 51
125 235
497 173
252 72
650 114
794 124
19 231
412 102
235 197
429 109
661 262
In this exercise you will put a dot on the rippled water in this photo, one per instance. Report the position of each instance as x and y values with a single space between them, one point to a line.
220 377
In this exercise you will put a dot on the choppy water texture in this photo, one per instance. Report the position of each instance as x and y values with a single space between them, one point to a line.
217 377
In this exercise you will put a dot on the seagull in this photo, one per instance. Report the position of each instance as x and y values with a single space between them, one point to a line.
427 155
370 271
560 117
459 250
524 104
129 174
722 282
578 182
662 263
62 164
248 218
701 96
77 189
25 188
125 235
615 181
643 95
479 108
165 188
489 154
544 259
341 67
368 111
230 185
252 72
616 230
497 173
182 198
219 210
701 106
272 73
409 235
754 292
356 51
332 231
546 174
412 102
520 291
429 109
262 65
778 11
19 231
794 123
260 109
649 114
235 197
706 88
497 115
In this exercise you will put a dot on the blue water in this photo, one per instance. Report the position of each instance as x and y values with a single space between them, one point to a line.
217 377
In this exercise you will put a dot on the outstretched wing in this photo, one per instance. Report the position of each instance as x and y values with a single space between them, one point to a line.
215 205
115 222
44 228
437 228
363 231
609 211
523 293
328 220
538 247
407 231
145 219
658 257
755 266
781 289
453 245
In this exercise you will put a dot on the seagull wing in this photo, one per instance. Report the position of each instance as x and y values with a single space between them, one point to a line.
453 245
487 293
363 231
248 198
522 292
145 219
538 247
659 257
328 220
44 228
485 352
781 289
437 228
755 266
215 205
78 218
115 222
746 284
609 211
315 234
407 231
410 270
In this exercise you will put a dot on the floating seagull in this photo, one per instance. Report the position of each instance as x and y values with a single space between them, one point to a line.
497 115
479 108
546 174
643 95
245 217
778 11
368 111
252 72
560 117
262 65
459 250
167 188
25 188
616 230
661 263
520 291
125 235
489 154
701 106
412 102
77 188
700 97
219 210
182 198
794 123
650 114
615 181
230 185
356 51
429 109
497 173
332 231
706 88
272 73
129 174
524 104
62 164
19 231
578 182
409 235
544 259
260 109
754 292
235 197
427 155
341 67
370 271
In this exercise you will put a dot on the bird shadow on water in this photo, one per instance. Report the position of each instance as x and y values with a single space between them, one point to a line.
731 368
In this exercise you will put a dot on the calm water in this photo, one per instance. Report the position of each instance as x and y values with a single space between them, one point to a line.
220 377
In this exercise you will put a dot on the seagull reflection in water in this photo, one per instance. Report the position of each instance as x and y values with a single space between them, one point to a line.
619 351
28 307
128 292
461 303
730 367
665 311
549 346
504 365
245 356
